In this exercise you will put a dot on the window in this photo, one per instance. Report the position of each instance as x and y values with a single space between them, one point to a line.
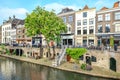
64 19
23 31
78 32
117 16
100 29
107 28
19 36
117 28
91 31
84 14
23 36
100 17
91 21
70 18
85 22
107 17
68 28
84 30
78 22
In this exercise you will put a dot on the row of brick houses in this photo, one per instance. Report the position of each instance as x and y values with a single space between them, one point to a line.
84 27
90 27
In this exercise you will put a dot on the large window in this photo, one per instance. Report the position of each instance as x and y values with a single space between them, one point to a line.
78 32
85 22
91 21
107 17
117 28
78 22
100 29
64 19
91 31
84 30
69 28
107 28
117 16
84 14
100 17
70 18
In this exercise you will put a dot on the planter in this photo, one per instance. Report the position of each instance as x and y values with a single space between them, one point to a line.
68 58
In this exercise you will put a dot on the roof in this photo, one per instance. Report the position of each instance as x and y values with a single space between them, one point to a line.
86 7
65 10
116 4
104 8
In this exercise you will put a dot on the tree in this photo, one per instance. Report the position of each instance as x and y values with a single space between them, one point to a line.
41 21
75 53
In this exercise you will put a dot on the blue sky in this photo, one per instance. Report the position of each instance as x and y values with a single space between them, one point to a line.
19 8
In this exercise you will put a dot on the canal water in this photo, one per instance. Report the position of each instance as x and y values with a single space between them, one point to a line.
11 69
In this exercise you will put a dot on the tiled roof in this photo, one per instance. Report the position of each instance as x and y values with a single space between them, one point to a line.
86 7
65 10
104 8
116 4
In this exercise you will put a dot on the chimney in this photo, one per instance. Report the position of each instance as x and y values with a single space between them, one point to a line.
9 18
13 16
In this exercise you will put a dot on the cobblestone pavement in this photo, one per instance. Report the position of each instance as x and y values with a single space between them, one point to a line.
96 71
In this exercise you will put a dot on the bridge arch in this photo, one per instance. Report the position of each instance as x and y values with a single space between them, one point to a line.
112 64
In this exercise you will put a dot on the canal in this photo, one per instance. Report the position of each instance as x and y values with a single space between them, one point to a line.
11 69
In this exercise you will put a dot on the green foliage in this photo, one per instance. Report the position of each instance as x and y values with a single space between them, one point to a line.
111 41
44 22
7 51
83 67
2 47
75 53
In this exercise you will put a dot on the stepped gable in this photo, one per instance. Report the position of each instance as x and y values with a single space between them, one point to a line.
86 7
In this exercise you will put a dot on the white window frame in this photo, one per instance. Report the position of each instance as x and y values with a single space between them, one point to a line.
117 16
107 17
100 17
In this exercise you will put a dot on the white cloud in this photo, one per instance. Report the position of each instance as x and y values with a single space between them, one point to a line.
99 2
58 7
102 3
18 12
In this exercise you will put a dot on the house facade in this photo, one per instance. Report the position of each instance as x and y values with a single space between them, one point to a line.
68 16
85 26
108 25
9 30
21 36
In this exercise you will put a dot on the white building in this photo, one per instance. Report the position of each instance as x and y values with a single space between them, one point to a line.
85 26
9 30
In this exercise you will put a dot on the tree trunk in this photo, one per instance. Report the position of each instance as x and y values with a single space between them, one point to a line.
53 52
48 50
41 51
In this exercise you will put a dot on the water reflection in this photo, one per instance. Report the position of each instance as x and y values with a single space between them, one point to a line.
16 70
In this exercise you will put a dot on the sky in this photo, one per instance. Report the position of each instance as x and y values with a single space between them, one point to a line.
19 8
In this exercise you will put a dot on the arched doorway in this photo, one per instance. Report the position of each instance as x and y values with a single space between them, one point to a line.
88 60
113 64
